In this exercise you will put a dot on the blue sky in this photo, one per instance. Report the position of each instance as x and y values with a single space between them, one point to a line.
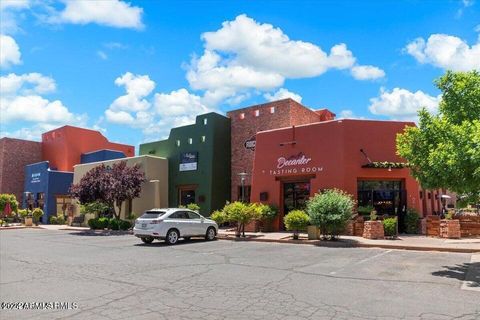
134 69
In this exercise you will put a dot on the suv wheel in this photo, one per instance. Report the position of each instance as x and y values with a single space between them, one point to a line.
147 239
172 236
210 234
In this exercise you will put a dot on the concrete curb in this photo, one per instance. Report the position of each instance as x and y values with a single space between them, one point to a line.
340 244
20 227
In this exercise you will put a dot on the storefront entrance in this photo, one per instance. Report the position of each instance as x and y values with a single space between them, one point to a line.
387 197
295 196
186 195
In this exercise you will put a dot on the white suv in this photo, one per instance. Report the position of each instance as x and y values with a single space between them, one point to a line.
172 224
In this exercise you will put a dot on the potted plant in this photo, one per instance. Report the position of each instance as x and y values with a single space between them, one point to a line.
450 227
296 220
27 217
373 229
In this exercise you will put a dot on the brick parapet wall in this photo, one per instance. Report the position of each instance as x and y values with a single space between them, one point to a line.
15 154
287 113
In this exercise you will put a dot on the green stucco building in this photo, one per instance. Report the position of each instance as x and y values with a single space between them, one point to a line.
198 162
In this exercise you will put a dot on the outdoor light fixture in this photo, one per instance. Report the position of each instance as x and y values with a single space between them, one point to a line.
366 156
243 175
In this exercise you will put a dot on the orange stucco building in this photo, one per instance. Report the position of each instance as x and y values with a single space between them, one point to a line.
292 164
63 147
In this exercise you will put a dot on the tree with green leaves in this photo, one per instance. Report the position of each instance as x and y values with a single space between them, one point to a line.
444 150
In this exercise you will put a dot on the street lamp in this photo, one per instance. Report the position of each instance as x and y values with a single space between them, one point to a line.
243 176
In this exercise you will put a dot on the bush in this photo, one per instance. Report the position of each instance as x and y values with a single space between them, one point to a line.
330 211
60 219
93 223
241 213
266 212
390 227
8 198
365 210
194 207
219 217
411 221
113 224
295 221
102 223
52 220
125 225
22 213
37 213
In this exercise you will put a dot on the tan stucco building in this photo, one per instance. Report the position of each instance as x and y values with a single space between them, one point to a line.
154 191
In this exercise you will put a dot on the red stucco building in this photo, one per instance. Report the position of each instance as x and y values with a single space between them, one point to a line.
292 164
63 147
246 122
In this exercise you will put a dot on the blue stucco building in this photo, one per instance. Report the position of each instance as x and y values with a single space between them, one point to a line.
48 188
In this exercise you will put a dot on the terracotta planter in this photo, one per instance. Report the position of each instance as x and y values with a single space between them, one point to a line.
450 229
28 221
373 230
313 232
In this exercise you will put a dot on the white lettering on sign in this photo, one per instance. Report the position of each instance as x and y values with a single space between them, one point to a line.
295 170
296 160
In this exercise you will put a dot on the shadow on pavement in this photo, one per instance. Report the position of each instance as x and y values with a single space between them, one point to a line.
162 243
465 272
91 233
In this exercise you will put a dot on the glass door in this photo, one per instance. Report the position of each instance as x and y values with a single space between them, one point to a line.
295 195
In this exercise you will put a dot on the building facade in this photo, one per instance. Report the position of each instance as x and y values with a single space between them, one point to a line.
292 164
64 147
154 192
15 154
246 122
199 162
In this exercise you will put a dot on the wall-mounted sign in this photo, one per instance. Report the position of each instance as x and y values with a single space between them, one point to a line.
295 160
188 161
35 177
295 164
250 143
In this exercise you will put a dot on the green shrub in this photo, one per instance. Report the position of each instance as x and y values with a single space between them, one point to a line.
266 212
194 207
8 198
52 220
102 223
22 213
296 220
390 227
125 225
93 223
365 210
411 221
60 219
219 217
37 213
373 215
330 211
241 214
113 224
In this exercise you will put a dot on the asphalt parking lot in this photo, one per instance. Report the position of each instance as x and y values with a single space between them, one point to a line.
117 277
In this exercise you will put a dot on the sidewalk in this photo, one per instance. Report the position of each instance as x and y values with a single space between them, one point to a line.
404 242
62 227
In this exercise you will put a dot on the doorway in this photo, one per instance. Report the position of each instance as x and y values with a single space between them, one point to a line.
186 195
295 196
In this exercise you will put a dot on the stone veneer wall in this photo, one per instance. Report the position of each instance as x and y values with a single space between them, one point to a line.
15 154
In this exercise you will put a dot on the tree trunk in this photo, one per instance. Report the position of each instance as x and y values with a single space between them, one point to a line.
119 205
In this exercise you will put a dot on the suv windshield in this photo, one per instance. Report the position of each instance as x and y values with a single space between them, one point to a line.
152 214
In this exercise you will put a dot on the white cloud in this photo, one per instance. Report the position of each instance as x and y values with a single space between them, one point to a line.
21 100
112 13
137 87
8 14
283 93
401 104
119 117
102 55
178 103
28 83
33 132
446 51
348 114
10 52
247 55
367 72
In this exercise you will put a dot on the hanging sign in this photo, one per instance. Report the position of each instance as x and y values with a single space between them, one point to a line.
250 143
